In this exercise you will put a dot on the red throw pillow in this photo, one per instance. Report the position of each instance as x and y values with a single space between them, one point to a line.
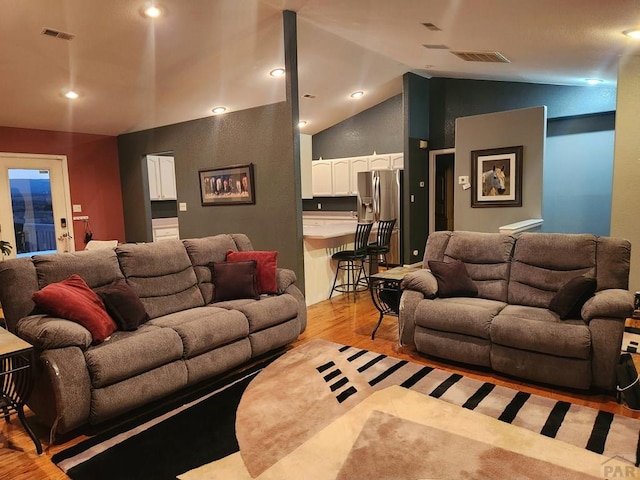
73 300
266 270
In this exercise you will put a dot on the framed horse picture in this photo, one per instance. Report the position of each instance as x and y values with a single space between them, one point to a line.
496 177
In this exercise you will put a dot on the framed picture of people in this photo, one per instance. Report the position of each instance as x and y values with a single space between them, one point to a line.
496 177
232 185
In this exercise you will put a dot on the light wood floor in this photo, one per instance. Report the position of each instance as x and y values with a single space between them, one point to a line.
338 320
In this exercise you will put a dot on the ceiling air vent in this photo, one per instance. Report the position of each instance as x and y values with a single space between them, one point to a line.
432 27
436 46
487 57
50 32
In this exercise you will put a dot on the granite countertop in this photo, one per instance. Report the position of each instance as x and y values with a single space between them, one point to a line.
330 230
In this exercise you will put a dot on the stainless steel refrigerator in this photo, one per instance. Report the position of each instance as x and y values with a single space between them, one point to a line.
380 198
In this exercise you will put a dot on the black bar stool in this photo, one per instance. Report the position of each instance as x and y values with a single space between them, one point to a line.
381 246
352 261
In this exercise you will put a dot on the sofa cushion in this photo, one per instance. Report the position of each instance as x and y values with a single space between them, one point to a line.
267 311
234 280
267 262
127 354
162 276
613 257
204 328
568 301
453 279
487 258
541 330
96 267
468 316
543 262
72 299
202 252
123 305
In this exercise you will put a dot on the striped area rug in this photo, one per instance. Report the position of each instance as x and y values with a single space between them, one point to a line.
598 431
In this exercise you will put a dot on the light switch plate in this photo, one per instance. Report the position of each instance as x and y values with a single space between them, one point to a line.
463 179
182 206
77 208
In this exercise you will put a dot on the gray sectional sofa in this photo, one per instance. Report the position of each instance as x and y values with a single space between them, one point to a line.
509 326
188 339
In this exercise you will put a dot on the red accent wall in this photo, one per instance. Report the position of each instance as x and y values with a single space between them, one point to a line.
94 175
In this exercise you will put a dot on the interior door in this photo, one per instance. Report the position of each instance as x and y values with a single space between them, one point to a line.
444 192
35 207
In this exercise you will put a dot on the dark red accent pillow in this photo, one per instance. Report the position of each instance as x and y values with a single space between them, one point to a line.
453 279
72 299
123 304
234 280
568 301
266 269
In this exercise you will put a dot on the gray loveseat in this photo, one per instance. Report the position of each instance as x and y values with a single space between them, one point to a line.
187 340
509 326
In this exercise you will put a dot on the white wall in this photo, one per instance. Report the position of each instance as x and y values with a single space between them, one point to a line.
625 200
526 127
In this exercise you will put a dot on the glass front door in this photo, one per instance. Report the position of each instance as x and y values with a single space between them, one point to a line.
34 214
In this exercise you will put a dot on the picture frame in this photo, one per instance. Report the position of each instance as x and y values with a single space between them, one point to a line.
231 185
496 177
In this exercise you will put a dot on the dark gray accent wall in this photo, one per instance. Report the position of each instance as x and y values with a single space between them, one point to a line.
453 98
378 129
416 161
262 136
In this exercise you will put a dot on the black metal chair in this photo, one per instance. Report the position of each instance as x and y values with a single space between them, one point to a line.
381 246
352 262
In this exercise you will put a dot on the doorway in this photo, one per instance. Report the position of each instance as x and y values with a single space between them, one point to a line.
441 189
35 205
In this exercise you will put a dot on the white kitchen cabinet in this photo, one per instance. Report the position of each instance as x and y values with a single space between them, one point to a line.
162 177
165 229
379 162
306 175
322 178
397 161
340 172
358 164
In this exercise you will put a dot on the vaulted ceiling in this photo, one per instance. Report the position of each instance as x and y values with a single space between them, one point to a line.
134 73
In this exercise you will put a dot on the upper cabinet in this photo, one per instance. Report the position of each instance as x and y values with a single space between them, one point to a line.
379 162
397 161
306 180
162 177
322 178
338 177
357 164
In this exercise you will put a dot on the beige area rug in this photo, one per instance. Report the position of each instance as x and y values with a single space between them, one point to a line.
323 411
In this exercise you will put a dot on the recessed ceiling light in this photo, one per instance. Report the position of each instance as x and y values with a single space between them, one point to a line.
633 33
593 81
302 123
71 95
277 72
358 94
152 10
219 110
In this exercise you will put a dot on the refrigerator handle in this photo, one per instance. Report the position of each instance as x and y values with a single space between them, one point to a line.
376 197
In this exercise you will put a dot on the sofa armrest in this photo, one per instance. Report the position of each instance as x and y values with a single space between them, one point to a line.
285 278
46 333
421 281
610 303
406 316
